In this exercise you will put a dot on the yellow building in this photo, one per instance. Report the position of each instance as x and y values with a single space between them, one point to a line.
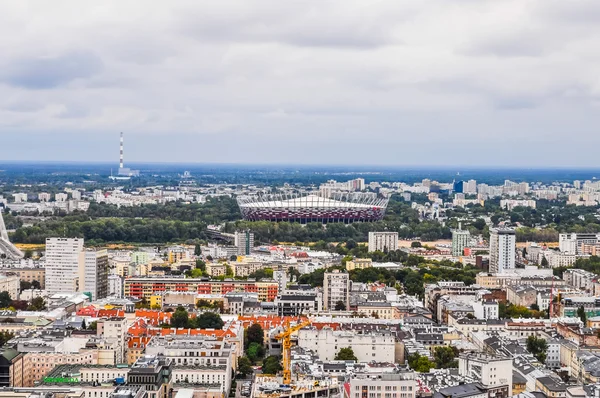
359 263
156 301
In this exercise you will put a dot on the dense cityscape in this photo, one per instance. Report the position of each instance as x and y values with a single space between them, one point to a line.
430 288
299 199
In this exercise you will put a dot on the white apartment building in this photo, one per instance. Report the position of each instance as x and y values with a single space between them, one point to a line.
460 240
93 273
367 346
491 371
115 286
383 241
195 350
574 243
102 374
470 187
62 265
44 197
383 385
336 287
502 249
486 309
114 330
61 197
510 204
579 278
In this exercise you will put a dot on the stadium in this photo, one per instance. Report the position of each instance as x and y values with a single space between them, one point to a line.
341 208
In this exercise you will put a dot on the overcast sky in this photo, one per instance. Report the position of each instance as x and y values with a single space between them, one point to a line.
399 82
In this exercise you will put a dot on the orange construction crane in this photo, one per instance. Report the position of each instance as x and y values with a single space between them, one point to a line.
286 350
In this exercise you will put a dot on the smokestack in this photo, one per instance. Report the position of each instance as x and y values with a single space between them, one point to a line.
121 157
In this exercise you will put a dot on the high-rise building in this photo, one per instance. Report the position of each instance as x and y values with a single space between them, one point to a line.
460 240
383 241
62 265
244 241
502 249
336 288
470 187
93 273
281 277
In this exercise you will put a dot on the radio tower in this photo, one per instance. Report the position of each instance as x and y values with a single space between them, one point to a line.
121 164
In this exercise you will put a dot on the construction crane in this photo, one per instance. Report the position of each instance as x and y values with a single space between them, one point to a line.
286 350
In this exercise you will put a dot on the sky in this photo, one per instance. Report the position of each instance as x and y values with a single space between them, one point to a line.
401 82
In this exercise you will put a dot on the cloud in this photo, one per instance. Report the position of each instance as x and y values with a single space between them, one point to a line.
384 81
51 72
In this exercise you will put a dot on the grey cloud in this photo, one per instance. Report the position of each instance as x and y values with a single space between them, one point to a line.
51 72
295 24
512 44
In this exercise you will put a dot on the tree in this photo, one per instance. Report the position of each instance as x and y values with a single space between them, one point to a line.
233 257
534 307
197 250
28 253
5 299
345 354
524 252
228 270
4 337
420 363
580 313
351 244
271 365
209 320
255 334
180 318
538 347
445 357
340 306
544 262
93 326
36 285
415 244
375 315
201 265
37 304
244 366
253 352
24 285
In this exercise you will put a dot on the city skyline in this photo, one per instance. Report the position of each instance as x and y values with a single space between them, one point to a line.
394 83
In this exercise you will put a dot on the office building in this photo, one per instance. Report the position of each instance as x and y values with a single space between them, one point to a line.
153 373
383 241
298 302
336 288
460 240
502 249
244 241
62 265
93 273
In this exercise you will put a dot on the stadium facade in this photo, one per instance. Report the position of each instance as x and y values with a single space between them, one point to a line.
339 208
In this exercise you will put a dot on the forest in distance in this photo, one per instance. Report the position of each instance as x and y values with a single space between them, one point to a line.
180 222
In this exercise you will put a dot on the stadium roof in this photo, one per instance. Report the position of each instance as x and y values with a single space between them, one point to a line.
308 201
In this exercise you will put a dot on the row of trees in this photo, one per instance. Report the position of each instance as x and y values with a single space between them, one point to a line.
443 358
36 304
408 279
207 320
